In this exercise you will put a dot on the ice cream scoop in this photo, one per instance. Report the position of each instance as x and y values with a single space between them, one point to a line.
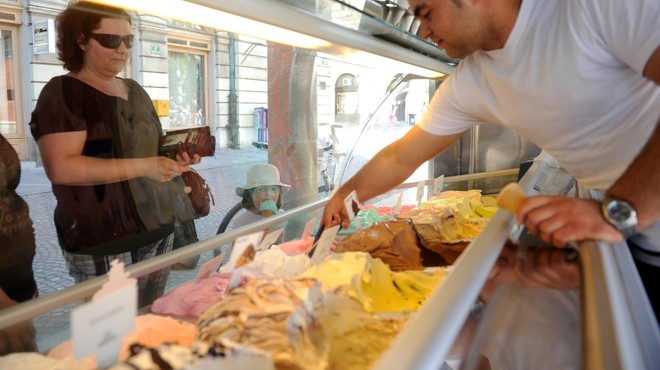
268 208
510 197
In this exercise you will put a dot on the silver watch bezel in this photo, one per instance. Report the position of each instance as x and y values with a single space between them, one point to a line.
625 226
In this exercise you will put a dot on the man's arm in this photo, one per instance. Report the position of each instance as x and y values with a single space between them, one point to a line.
652 69
639 184
389 168
559 220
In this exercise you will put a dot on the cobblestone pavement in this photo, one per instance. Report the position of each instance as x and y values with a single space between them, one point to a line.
223 173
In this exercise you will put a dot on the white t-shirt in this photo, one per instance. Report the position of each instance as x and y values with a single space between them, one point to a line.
568 79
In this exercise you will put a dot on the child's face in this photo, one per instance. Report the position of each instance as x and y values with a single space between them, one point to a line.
262 193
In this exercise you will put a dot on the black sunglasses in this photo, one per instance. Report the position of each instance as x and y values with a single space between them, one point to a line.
112 41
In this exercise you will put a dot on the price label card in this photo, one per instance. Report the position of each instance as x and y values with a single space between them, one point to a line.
438 184
324 244
210 267
239 247
309 227
270 239
397 207
420 192
98 327
352 205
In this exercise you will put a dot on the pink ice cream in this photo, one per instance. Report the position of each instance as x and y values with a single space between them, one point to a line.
297 246
194 297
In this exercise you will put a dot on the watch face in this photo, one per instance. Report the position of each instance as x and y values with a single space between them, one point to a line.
619 212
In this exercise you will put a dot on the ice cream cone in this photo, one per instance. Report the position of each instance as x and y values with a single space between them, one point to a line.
510 197
268 208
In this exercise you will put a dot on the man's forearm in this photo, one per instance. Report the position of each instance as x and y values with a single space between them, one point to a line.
640 183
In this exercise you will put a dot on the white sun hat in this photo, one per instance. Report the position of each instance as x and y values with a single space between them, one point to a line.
262 175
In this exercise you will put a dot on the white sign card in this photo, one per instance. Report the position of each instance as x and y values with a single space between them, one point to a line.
210 266
438 184
240 245
309 227
270 239
352 208
352 205
420 192
397 207
324 244
99 327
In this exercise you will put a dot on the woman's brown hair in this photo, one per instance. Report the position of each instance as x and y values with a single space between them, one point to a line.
80 18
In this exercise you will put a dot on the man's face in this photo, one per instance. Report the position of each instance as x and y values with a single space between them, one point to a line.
453 25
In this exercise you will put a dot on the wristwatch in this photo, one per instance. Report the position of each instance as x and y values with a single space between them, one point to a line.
478 308
620 214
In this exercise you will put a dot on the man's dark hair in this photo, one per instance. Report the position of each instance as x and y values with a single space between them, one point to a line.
80 18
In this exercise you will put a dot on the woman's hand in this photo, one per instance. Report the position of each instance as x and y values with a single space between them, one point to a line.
163 169
18 337
184 158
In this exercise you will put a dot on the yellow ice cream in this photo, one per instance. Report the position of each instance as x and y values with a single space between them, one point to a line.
373 284
469 204
356 337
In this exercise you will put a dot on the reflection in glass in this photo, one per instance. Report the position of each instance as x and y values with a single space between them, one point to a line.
531 317
8 124
187 79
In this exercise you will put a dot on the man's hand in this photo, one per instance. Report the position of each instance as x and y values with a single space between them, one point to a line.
335 213
551 268
560 220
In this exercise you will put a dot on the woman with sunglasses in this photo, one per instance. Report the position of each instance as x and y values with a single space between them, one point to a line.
99 138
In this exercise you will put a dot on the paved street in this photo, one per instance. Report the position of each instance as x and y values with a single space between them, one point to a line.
224 173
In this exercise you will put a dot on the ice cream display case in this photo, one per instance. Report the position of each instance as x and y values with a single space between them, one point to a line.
478 311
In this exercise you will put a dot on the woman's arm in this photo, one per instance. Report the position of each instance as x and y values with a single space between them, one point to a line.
65 165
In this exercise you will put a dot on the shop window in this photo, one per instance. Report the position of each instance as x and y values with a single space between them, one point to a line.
347 99
187 68
9 126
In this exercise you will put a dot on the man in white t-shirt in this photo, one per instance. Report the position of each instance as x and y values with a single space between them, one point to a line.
580 78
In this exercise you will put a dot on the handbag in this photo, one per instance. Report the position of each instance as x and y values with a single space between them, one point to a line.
199 192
